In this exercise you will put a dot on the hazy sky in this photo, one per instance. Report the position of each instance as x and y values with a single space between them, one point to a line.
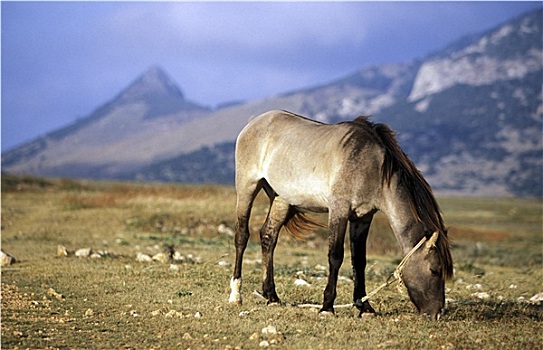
61 60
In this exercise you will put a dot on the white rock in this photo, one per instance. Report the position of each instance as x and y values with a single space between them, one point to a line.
225 230
143 257
198 314
61 250
537 299
513 286
224 263
160 257
83 252
264 344
301 282
6 259
178 257
270 330
481 295
174 267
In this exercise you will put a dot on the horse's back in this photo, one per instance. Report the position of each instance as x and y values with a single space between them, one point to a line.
301 159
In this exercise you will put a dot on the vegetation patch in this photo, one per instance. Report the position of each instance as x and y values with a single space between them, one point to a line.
109 296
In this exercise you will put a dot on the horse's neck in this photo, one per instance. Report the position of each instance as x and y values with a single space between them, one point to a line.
396 206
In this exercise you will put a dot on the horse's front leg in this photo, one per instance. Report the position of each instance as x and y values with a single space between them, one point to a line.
338 226
359 229
268 237
245 200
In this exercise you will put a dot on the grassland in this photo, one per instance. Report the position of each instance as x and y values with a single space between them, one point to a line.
114 301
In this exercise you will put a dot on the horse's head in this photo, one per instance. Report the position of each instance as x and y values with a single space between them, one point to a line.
424 275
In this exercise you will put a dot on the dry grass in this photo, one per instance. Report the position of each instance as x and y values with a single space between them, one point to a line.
117 302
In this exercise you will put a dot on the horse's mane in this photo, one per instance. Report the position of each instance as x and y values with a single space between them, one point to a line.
423 204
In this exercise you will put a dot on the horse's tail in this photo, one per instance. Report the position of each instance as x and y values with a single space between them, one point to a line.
299 224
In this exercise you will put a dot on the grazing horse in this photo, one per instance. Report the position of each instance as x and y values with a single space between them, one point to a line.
350 170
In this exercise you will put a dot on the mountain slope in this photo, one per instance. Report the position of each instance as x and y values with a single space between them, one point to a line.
115 137
470 116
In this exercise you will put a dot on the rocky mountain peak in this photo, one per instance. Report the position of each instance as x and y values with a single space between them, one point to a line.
153 83
511 51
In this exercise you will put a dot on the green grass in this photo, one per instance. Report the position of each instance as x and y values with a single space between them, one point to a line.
117 302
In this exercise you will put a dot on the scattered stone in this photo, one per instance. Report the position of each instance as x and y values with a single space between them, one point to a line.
140 257
225 230
156 313
6 259
89 313
174 267
481 295
173 313
83 252
513 286
301 282
224 263
177 257
187 336
96 255
61 250
537 299
53 293
198 315
244 313
161 257
254 336
264 344
269 330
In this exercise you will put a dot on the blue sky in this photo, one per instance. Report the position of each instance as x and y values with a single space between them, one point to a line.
61 60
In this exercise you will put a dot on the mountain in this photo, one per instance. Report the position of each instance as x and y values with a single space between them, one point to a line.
470 116
118 137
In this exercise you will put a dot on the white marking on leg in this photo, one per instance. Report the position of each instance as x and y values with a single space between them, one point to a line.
235 290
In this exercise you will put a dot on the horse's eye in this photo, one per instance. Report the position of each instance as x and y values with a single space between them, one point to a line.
434 272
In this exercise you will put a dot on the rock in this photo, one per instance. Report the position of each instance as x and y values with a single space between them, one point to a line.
481 295
269 330
140 257
301 282
537 299
225 230
6 259
53 293
161 257
89 313
224 263
83 252
173 313
61 250
156 313
264 344
187 336
177 257
198 314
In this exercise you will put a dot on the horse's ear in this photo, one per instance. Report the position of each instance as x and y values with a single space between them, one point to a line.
431 243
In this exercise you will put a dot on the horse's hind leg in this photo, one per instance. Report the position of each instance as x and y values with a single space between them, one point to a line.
245 199
278 214
359 229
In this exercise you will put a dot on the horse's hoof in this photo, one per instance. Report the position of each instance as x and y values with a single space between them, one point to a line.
326 313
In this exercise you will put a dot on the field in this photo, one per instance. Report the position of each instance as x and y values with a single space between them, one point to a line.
110 300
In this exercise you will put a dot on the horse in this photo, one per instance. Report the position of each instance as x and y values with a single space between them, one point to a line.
349 170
